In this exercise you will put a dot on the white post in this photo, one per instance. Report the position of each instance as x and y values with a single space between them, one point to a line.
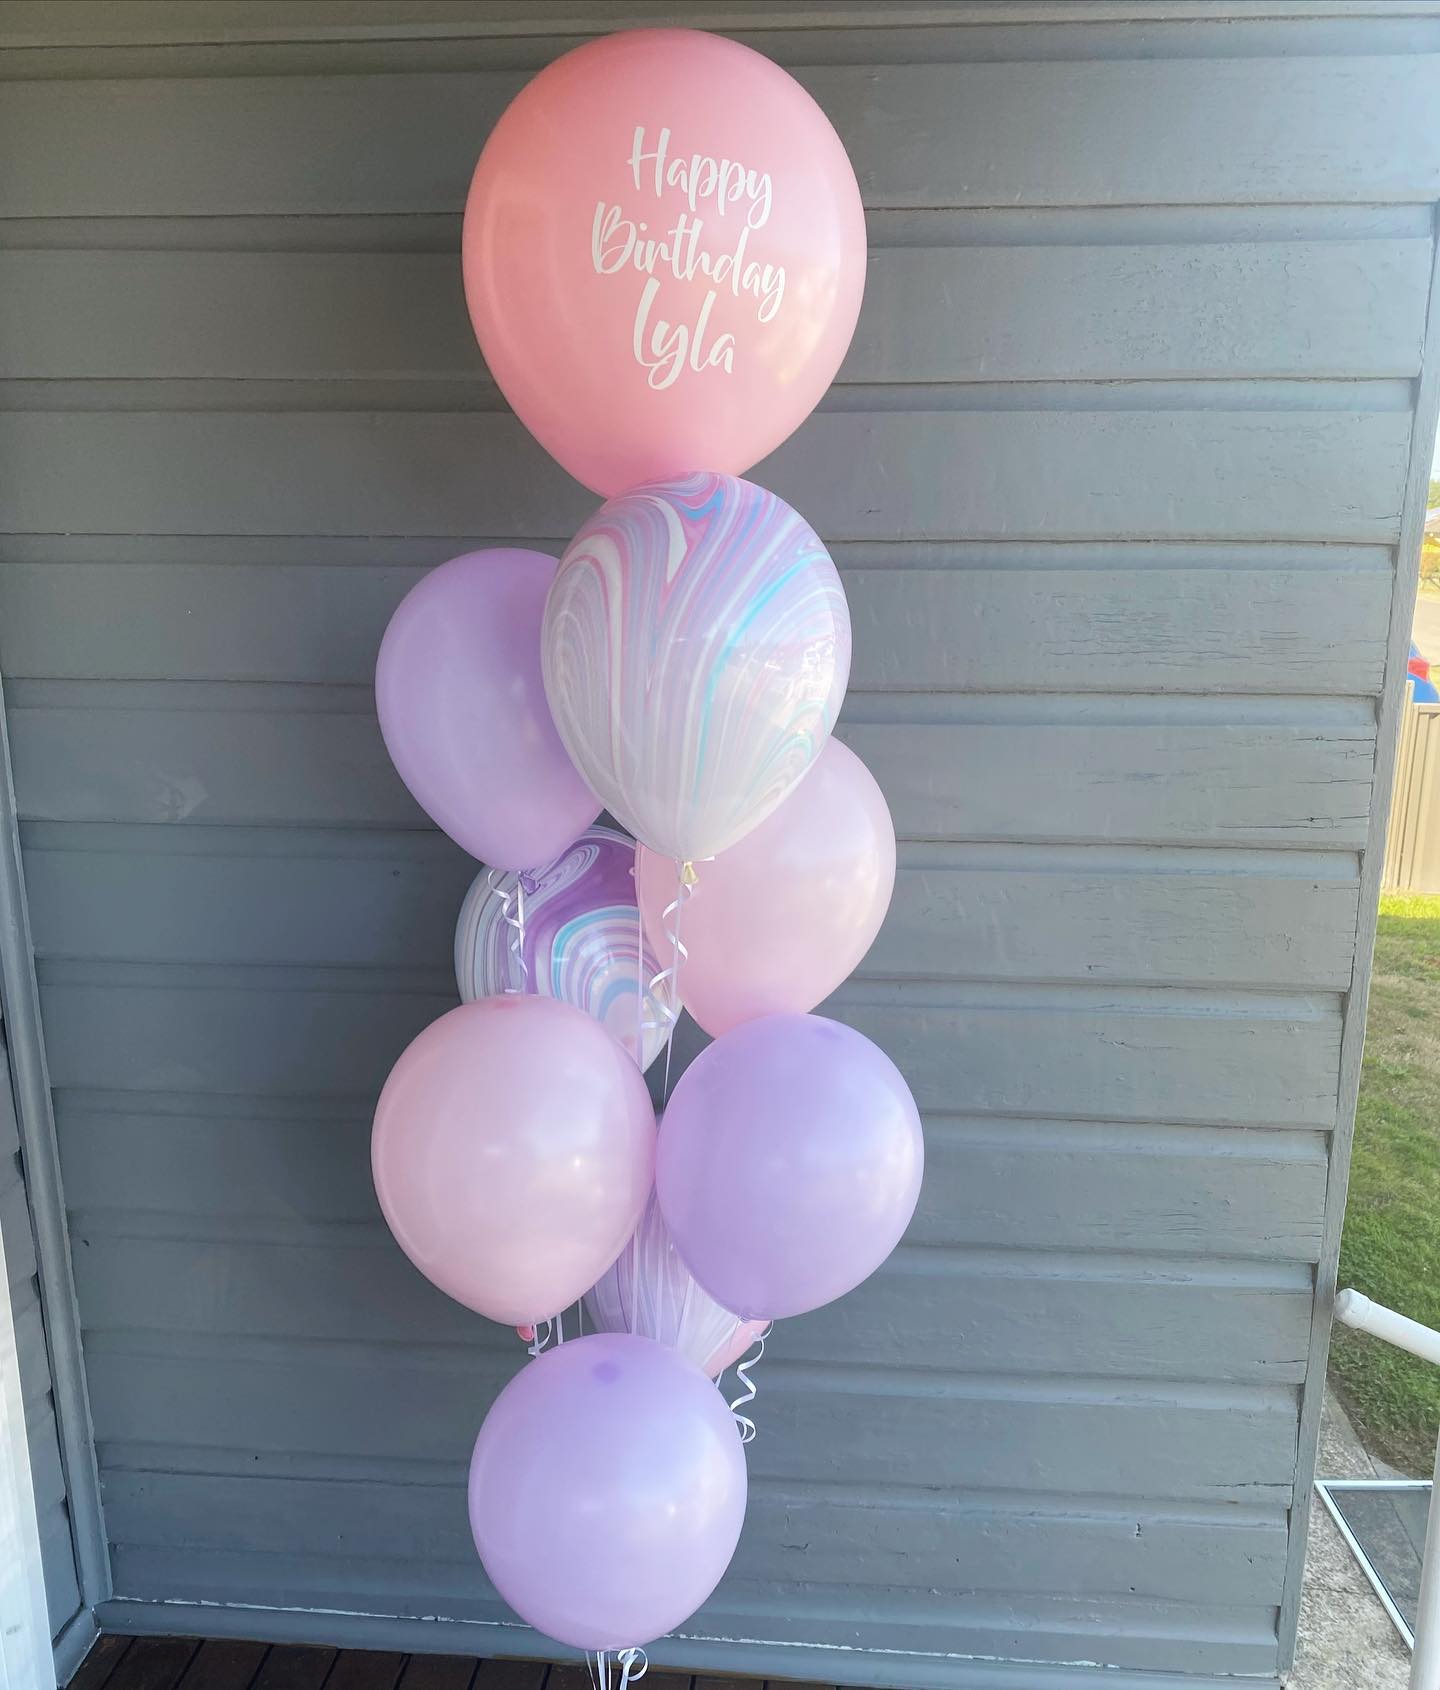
26 1661
1406 1334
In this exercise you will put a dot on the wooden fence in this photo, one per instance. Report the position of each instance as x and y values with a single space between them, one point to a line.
1412 849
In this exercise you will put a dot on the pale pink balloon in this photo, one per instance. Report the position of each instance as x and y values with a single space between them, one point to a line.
777 922
664 253
513 1151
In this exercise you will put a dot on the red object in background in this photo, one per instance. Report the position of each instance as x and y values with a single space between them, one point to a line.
1418 666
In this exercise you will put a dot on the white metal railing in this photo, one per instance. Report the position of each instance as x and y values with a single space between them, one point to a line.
1405 1334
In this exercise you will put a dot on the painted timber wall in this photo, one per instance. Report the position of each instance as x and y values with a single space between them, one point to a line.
1124 473
47 1474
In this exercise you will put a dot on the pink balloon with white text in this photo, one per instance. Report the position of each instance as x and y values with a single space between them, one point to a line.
664 254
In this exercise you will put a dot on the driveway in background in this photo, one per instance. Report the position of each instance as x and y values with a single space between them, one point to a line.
1426 626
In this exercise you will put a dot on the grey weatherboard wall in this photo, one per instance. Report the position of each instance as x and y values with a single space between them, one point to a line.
1124 472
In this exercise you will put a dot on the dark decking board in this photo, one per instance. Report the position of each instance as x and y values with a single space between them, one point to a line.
185 1663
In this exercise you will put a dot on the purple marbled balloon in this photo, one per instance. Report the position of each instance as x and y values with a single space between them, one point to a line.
695 647
582 939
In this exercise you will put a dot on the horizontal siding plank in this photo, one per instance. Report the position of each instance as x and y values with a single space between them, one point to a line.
1277 129
1146 1056
908 1645
1064 473
1228 1192
941 1542
1008 1313
932 312
1156 623
1176 1442
1118 772
1129 1632
965 913
1077 780
1186 1063
529 32
1162 630
1193 925
1060 1185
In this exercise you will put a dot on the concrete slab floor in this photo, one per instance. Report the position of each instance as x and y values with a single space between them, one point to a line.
1347 1640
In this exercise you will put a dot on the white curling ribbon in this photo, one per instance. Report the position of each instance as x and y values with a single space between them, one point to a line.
512 913
598 1665
664 990
751 1391
665 987
627 1659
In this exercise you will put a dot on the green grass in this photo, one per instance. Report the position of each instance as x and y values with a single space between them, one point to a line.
1391 1244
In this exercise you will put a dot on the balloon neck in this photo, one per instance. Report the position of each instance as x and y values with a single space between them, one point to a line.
688 874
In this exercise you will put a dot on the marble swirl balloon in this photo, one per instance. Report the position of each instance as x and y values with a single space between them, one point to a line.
581 939
648 1290
696 646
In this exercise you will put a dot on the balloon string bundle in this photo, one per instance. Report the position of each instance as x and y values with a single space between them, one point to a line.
598 1662
512 913
752 1390
665 986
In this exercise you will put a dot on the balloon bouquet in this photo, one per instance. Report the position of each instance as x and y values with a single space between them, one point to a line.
664 255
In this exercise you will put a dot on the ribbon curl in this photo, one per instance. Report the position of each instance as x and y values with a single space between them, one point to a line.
512 913
598 1664
665 986
753 1357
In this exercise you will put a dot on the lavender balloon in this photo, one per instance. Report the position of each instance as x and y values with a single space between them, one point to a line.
463 713
607 1491
789 1164
696 646
582 941
650 1291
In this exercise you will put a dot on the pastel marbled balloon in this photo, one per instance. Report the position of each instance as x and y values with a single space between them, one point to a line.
648 1290
696 646
582 941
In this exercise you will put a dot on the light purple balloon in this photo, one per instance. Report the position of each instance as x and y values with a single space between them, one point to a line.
463 713
789 1164
607 1491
